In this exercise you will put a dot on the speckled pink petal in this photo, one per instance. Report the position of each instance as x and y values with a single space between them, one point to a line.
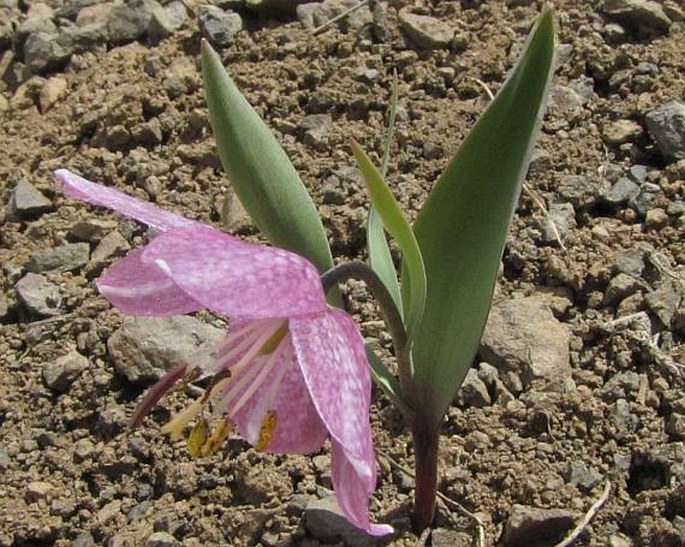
299 430
77 187
352 492
138 288
237 279
330 352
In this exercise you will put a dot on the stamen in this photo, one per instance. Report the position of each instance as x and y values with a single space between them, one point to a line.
216 438
217 379
174 427
273 342
156 392
198 437
266 431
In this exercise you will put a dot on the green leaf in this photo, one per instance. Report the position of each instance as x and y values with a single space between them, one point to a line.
259 170
380 258
463 225
398 227
386 381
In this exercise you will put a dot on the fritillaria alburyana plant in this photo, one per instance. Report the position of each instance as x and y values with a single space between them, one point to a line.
293 369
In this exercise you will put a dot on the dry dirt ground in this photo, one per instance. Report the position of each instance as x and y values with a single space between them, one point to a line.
133 115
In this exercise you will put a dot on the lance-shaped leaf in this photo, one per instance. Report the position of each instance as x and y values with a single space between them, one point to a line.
462 227
380 258
398 226
260 172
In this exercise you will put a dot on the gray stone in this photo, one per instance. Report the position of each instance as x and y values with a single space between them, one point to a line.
315 14
38 295
112 245
581 191
444 537
645 198
473 391
37 490
45 51
27 202
167 20
92 230
638 173
656 218
218 26
578 473
61 373
65 258
643 16
531 525
53 90
667 127
324 522
146 347
161 539
425 31
630 261
675 426
561 216
564 100
71 9
315 129
38 19
624 417
621 192
524 337
130 21
622 385
620 287
664 303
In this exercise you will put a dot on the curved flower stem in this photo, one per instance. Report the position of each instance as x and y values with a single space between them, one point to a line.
393 319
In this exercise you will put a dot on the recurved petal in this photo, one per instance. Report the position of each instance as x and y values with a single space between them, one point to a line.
138 288
331 356
105 196
241 280
298 428
352 492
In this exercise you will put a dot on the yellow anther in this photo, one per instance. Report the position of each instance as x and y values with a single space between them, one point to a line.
174 427
276 338
216 438
198 437
266 431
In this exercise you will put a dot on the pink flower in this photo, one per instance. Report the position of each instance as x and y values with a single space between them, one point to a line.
291 371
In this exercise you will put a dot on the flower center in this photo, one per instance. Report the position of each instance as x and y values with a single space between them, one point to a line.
243 362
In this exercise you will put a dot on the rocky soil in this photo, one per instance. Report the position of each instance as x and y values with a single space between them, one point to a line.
579 381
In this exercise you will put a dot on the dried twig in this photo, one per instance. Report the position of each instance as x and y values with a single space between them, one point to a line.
587 518
321 28
423 538
540 204
485 87
480 529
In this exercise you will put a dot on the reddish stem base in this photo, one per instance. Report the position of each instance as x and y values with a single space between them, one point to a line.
426 440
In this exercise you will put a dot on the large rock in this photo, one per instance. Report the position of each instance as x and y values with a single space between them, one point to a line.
533 526
61 373
425 31
65 258
27 202
38 295
146 347
667 127
524 337
644 16
217 25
